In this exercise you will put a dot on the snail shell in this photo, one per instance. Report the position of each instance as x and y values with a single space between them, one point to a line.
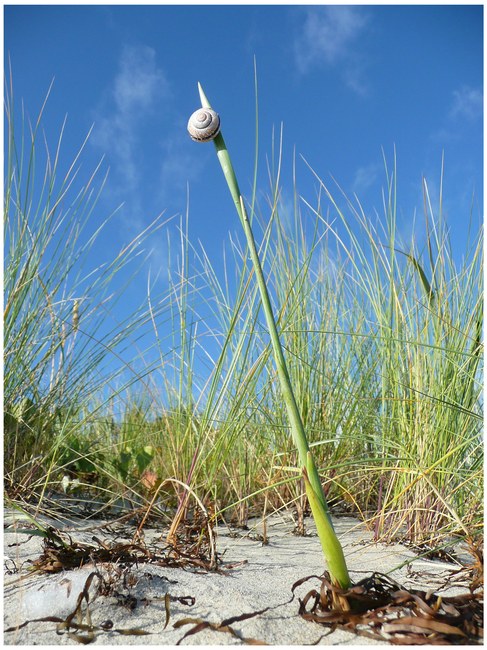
204 125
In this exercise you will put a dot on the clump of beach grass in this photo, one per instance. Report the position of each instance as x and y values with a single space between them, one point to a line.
424 316
416 380
59 343
383 347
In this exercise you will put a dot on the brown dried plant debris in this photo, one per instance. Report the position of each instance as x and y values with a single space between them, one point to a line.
79 620
61 552
194 538
381 609
200 624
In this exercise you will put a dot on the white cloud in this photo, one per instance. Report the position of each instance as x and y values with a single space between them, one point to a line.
138 87
365 177
179 165
466 107
125 117
467 103
327 37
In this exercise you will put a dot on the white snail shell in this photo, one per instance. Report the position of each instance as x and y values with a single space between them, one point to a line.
204 125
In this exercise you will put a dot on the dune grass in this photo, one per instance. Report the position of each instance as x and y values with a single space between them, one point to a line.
59 339
382 339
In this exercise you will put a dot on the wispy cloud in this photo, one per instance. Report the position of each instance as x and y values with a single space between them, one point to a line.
327 38
125 119
465 108
138 88
365 177
467 103
178 166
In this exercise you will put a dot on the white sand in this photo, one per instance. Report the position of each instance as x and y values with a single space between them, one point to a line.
265 580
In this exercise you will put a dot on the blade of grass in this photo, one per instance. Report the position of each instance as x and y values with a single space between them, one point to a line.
331 547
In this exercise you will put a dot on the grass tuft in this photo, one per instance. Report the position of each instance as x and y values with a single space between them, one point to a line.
382 337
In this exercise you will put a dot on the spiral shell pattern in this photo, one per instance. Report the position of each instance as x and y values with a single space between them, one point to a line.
204 125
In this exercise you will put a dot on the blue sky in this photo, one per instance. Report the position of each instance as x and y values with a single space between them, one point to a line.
346 83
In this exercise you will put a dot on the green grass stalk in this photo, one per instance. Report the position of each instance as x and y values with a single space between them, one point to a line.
332 549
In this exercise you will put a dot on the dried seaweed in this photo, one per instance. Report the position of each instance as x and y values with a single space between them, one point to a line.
74 622
79 620
381 609
225 626
61 552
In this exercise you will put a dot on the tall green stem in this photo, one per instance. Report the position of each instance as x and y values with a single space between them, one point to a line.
331 546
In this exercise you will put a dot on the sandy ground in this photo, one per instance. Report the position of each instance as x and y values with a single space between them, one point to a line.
263 577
